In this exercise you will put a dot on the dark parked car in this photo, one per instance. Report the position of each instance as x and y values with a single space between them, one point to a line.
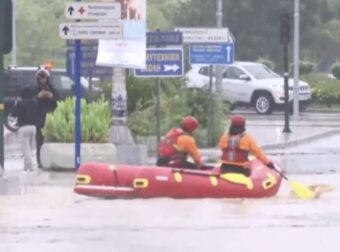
17 77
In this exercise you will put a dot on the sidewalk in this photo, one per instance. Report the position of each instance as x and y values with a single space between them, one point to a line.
13 179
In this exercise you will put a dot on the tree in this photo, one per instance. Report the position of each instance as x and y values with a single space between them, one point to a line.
255 24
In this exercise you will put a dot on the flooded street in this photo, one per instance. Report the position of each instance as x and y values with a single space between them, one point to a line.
53 218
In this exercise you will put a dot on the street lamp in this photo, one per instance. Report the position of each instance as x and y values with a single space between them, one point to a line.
296 59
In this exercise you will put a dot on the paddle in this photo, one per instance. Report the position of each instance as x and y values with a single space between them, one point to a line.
302 191
195 172
231 177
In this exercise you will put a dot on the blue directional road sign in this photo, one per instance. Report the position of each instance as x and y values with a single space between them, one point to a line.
163 38
215 54
162 62
88 64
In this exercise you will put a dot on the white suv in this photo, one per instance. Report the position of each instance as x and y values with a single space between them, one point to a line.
250 84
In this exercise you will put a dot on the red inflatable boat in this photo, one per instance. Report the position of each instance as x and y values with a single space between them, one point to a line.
126 181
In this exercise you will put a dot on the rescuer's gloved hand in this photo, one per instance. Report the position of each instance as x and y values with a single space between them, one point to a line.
271 165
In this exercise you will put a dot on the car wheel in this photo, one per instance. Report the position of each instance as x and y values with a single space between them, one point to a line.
11 122
264 104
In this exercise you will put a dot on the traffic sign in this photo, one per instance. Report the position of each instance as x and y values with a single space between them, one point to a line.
88 64
205 35
163 38
92 10
162 62
214 54
91 30
70 43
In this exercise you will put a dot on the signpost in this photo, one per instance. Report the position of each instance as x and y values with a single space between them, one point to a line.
92 10
162 62
214 46
205 35
94 31
215 54
91 30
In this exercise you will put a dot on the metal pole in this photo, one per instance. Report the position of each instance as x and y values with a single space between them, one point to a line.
90 88
210 112
14 35
77 128
286 76
2 20
158 110
219 17
296 59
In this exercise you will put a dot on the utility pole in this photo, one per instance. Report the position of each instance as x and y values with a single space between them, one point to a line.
5 47
296 59
2 47
77 127
219 22
14 34
285 39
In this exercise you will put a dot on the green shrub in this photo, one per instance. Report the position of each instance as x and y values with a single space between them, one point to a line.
177 102
306 67
95 121
336 70
324 89
267 62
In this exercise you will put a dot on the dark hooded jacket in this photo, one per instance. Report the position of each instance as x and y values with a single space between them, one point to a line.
45 105
26 110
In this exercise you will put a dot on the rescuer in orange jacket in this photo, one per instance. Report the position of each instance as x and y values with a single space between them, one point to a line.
178 144
236 145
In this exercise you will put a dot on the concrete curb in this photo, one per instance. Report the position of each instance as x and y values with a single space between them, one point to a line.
297 142
323 110
19 183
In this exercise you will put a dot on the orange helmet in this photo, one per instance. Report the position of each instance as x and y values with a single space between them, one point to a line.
189 123
238 121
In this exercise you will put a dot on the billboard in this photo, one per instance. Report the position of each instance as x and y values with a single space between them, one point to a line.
130 51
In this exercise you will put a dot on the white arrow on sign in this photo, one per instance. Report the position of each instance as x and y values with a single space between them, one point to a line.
92 10
91 30
228 53
173 67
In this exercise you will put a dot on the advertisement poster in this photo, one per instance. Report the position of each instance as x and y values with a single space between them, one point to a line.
129 52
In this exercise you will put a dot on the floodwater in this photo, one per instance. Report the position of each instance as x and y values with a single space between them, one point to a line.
320 156
53 218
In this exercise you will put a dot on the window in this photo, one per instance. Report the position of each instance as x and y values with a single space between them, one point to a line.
204 71
233 73
261 72
62 82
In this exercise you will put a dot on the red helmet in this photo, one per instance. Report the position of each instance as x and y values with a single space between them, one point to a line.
189 123
238 121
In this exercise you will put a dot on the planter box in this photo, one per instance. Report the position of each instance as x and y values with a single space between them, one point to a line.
61 155
132 154
149 141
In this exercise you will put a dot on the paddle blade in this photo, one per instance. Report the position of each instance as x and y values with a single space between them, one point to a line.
302 191
238 179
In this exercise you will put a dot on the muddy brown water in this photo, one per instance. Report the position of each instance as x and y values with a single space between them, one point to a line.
53 218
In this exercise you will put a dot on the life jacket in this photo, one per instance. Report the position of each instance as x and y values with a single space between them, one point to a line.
233 154
167 147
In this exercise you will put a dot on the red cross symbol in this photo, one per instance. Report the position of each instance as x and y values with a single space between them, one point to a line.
81 10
